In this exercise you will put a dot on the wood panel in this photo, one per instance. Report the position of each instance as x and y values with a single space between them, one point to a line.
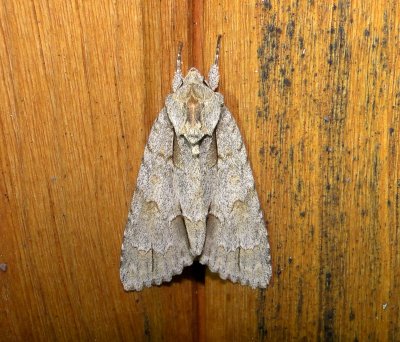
81 83
314 87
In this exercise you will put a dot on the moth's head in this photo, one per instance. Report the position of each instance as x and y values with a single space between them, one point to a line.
194 107
193 74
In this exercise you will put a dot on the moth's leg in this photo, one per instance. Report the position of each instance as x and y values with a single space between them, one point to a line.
213 75
178 77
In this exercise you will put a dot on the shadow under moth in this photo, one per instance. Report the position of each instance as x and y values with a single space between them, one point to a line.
195 196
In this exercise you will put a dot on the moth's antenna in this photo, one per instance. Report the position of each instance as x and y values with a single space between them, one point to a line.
213 74
217 49
179 58
178 77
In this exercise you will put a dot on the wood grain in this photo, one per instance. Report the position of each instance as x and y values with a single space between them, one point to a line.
315 89
80 87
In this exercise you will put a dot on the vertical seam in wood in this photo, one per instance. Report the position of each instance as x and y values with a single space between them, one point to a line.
195 34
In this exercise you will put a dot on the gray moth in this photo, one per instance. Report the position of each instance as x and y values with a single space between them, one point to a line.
195 197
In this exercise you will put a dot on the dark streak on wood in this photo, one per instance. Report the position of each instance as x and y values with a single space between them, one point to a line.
300 299
290 28
267 56
352 315
261 328
147 331
333 239
266 4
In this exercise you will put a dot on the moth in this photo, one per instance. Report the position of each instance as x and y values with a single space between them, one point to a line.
195 196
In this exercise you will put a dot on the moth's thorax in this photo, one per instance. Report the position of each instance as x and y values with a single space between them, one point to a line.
194 109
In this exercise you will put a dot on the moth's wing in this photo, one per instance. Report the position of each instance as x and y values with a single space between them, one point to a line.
155 245
236 244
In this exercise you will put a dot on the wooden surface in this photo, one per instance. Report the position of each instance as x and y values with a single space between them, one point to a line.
315 89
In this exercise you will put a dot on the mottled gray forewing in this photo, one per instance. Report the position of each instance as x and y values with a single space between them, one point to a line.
236 243
155 245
